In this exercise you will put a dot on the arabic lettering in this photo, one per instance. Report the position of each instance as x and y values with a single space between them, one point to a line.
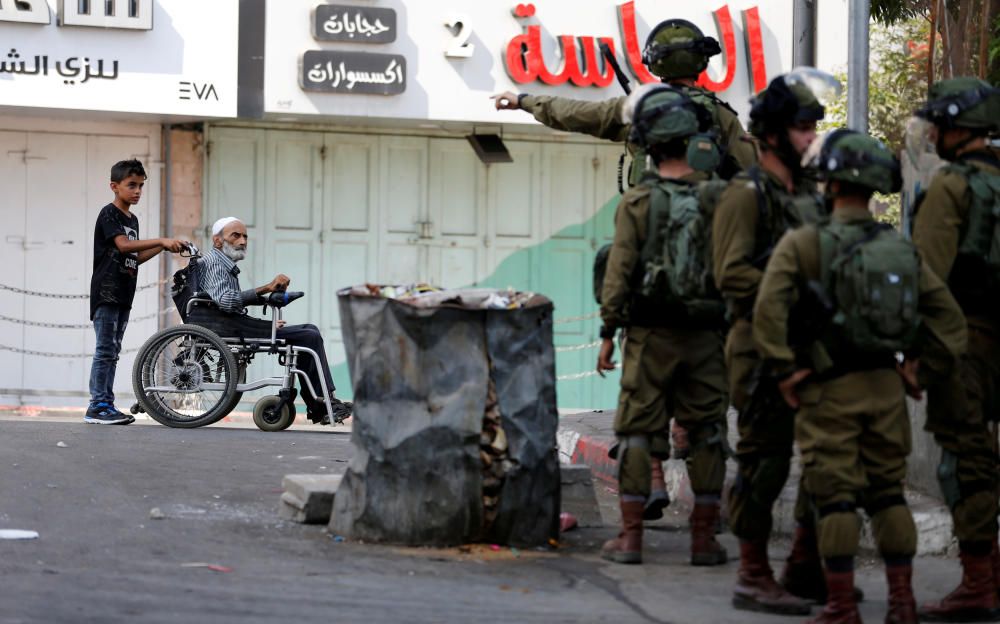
360 25
70 69
339 74
525 62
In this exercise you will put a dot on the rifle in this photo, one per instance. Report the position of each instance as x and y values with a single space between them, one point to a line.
609 58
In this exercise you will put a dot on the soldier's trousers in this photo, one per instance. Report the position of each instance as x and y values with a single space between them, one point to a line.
764 451
854 435
679 373
961 413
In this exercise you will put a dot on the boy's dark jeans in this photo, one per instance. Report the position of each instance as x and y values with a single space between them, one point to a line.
109 324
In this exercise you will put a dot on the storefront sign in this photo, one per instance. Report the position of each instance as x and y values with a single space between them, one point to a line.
525 62
354 24
114 59
122 14
333 71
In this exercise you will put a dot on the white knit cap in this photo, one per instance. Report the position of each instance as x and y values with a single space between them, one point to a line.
221 225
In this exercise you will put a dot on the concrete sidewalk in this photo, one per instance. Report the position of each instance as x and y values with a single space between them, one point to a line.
586 437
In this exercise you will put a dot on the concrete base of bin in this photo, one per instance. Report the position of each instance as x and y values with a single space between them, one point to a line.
308 498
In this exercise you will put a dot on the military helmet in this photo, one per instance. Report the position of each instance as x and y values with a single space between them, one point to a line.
659 113
860 159
784 102
963 103
677 48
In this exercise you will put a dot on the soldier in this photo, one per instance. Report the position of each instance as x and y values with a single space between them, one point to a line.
658 286
677 52
759 206
958 234
872 297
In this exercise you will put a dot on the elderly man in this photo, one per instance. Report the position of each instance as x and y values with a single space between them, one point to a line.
220 279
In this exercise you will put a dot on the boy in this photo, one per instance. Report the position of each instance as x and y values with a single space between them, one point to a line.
118 252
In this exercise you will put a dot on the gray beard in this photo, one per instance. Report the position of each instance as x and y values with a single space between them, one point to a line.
232 252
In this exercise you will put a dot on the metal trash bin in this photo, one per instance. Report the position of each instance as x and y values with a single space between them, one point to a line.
454 419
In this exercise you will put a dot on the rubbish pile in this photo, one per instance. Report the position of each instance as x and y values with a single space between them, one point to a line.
454 417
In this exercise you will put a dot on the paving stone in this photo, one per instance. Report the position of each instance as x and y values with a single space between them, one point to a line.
578 496
308 498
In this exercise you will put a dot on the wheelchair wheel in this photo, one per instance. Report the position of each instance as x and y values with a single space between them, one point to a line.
185 376
268 419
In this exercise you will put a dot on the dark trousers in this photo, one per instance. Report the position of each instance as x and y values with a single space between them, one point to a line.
110 322
307 335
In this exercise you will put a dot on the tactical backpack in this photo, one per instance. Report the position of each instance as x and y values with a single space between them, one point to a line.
981 243
676 259
872 276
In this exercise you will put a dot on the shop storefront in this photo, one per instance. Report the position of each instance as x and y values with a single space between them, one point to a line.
83 85
360 170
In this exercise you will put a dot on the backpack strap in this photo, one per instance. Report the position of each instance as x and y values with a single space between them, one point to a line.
659 211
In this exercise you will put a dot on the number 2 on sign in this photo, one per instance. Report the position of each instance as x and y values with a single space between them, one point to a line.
460 46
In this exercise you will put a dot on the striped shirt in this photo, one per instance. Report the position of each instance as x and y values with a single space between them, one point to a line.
219 278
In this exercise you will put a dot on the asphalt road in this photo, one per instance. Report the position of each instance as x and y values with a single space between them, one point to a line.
101 558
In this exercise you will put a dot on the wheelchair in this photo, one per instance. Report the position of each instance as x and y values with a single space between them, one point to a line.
190 375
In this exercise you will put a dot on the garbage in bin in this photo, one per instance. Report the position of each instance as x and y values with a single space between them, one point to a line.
454 417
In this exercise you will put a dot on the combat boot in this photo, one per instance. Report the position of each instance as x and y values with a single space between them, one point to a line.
803 573
840 605
705 549
902 604
756 589
658 497
974 600
627 547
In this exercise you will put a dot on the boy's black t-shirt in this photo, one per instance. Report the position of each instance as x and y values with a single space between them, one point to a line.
115 273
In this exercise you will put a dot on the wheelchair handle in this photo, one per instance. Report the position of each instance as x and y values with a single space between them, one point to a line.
282 298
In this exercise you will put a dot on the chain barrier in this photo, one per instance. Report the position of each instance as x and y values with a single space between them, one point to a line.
137 319
581 375
38 293
575 319
50 354
580 347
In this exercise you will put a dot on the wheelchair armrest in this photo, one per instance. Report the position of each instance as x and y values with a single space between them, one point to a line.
281 299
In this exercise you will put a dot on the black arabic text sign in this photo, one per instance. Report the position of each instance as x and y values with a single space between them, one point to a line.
355 24
331 71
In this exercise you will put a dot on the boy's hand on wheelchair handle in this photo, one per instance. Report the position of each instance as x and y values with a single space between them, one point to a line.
173 245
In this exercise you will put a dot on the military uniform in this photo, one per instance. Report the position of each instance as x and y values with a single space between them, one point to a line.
672 366
751 217
960 411
852 426
604 121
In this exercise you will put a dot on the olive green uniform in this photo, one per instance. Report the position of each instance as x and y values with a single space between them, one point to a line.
742 241
604 121
672 366
961 409
852 427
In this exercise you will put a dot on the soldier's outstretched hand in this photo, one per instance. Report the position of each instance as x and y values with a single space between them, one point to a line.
787 386
604 361
506 101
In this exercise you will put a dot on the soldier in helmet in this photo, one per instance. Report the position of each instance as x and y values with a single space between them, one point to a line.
836 302
958 233
676 51
755 211
658 286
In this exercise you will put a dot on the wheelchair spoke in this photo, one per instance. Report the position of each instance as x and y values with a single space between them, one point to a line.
185 377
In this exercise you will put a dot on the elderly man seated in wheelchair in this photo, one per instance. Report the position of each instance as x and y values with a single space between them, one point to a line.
219 278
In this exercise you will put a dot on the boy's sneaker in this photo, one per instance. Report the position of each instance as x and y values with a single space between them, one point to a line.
104 414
